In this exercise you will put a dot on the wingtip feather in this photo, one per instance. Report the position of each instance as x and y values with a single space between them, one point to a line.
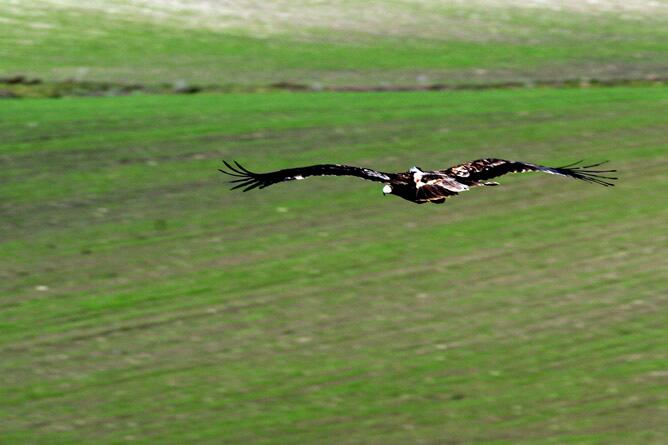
582 173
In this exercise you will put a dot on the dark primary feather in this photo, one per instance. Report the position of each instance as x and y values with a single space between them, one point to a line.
470 173
250 180
584 173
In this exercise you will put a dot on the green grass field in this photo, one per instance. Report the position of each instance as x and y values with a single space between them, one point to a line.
143 302
350 42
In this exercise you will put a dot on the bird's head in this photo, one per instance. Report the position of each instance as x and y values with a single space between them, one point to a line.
387 189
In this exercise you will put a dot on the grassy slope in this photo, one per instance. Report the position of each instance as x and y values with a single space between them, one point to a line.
320 312
438 44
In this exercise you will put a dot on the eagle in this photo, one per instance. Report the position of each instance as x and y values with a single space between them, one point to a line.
417 185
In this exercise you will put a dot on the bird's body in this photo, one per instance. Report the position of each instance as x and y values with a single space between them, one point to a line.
416 185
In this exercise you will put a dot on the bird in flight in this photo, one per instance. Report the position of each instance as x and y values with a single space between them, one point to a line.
417 185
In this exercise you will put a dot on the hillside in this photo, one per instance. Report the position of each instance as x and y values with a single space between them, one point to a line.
352 42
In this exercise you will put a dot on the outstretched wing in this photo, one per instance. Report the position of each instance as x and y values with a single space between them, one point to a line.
471 173
250 180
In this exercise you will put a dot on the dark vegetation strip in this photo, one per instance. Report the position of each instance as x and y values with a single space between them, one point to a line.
18 86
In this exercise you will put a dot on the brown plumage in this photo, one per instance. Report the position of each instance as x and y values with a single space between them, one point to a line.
416 185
